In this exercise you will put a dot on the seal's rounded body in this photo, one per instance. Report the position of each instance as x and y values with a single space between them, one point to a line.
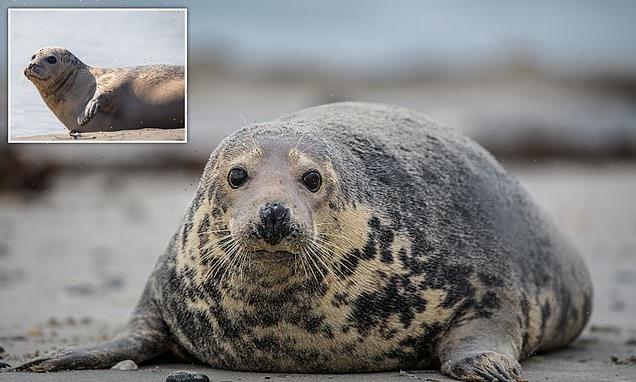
352 238
89 99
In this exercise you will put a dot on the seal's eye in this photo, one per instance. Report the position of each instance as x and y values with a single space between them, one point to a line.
51 59
33 57
312 180
237 177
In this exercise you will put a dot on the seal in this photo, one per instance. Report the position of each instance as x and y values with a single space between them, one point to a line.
89 99
354 237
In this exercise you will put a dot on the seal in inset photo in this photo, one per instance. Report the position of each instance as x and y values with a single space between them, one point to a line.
90 99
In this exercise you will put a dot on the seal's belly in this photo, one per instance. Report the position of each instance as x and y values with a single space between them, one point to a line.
319 338
289 348
342 328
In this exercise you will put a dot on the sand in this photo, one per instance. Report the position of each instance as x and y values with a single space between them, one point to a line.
75 258
105 136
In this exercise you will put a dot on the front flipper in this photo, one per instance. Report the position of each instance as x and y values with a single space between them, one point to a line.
145 337
99 103
99 356
480 350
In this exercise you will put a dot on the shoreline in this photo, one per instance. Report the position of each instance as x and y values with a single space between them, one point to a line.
149 135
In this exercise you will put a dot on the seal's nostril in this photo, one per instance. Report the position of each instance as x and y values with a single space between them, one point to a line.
274 222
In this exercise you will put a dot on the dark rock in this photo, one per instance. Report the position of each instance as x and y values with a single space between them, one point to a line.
4 365
187 376
631 360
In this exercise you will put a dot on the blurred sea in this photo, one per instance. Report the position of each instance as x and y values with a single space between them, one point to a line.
359 37
525 79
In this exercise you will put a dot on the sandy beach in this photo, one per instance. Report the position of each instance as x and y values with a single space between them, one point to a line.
75 259
121 135
549 88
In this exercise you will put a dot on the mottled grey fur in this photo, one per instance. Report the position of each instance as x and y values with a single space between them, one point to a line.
447 261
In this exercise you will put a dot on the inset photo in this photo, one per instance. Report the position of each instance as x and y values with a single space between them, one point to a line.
97 75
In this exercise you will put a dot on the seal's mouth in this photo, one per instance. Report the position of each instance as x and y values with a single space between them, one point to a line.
33 71
263 255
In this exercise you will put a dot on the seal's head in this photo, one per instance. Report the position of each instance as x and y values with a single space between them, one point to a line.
50 67
277 201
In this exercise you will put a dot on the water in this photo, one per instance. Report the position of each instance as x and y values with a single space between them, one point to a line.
103 38
364 35
570 37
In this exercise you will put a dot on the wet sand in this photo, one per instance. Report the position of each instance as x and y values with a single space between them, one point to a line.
121 135
74 261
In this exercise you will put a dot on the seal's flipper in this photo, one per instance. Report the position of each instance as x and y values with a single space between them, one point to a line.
99 356
92 108
480 350
145 337
483 366
101 102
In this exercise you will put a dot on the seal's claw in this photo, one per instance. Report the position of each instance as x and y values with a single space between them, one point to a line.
484 366
65 359
91 109
138 345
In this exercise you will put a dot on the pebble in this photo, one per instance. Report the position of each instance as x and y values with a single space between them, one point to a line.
187 376
4 365
631 360
126 365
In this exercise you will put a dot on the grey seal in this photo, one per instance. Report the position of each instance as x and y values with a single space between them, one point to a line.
355 237
89 99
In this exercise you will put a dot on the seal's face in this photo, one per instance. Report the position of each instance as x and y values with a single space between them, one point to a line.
275 205
48 65
273 192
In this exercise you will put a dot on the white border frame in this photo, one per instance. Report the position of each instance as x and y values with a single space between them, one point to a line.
18 9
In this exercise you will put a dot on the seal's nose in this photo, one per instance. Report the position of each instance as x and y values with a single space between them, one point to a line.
29 68
274 225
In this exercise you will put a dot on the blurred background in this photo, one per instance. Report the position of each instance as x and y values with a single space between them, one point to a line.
549 87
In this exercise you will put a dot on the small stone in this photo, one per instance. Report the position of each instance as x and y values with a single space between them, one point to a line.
126 365
4 365
187 376
631 360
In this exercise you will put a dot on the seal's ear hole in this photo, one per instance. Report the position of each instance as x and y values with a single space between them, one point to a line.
51 59
237 177
312 180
